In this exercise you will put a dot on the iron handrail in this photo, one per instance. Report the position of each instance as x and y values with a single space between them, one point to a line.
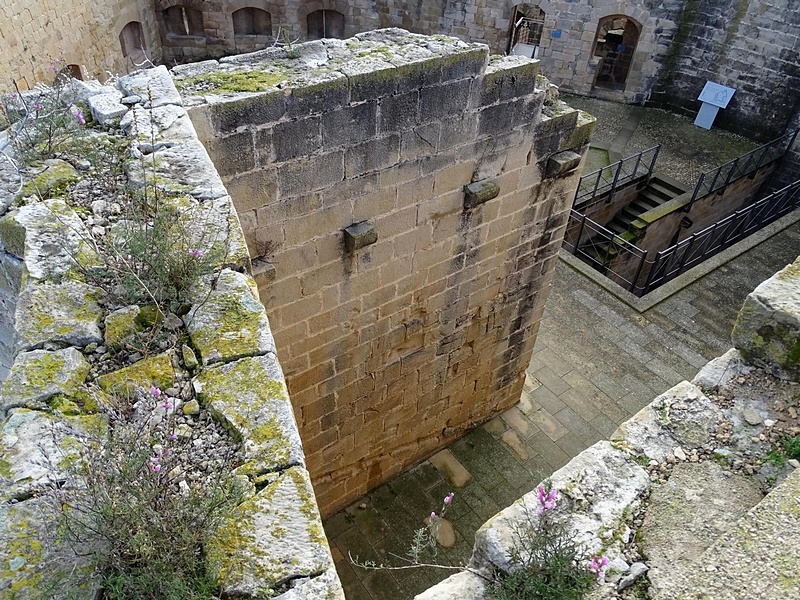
741 166
609 178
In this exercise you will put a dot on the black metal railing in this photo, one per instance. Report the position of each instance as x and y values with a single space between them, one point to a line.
722 176
700 246
608 179
604 250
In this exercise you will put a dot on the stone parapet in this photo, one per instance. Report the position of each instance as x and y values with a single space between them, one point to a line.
274 545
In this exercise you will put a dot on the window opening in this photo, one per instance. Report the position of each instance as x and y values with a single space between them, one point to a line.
131 38
325 24
181 20
526 31
615 44
252 21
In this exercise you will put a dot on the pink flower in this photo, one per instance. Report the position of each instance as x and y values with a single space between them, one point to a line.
154 467
155 391
598 566
173 437
433 517
449 498
76 112
196 253
547 500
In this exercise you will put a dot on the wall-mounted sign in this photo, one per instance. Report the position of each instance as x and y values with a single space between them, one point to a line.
714 96
556 33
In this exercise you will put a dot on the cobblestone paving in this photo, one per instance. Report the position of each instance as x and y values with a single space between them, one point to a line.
596 363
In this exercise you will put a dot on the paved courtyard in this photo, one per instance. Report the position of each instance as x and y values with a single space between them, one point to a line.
596 362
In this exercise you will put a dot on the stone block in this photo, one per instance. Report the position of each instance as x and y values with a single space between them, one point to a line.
107 108
154 86
232 154
374 155
261 415
359 235
480 192
562 163
315 173
349 125
154 370
230 322
228 114
497 119
325 92
369 78
509 77
296 138
767 330
399 112
437 102
264 272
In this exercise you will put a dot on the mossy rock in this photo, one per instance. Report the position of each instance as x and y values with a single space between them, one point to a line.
52 180
39 375
155 370
273 537
249 397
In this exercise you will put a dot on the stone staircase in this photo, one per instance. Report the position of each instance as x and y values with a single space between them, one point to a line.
600 250
659 190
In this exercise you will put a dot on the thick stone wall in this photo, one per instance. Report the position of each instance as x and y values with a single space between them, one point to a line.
273 545
747 45
34 33
393 349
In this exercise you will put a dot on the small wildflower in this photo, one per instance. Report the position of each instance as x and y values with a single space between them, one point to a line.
449 498
155 467
173 437
433 517
196 253
78 114
155 391
547 500
598 566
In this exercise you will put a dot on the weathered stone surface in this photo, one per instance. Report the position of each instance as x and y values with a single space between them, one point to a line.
685 515
67 313
154 86
39 375
37 447
562 163
461 586
595 489
213 227
181 167
49 179
231 322
359 235
165 124
756 557
271 539
720 371
107 108
155 370
480 192
322 587
33 559
681 416
121 324
49 237
767 330
448 464
260 414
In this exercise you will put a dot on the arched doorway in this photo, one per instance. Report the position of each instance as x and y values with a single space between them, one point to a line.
527 23
614 45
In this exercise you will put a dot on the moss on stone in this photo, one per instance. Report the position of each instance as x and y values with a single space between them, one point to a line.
52 182
12 235
5 468
224 82
156 370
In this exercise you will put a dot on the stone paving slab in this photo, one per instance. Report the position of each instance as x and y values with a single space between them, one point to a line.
596 362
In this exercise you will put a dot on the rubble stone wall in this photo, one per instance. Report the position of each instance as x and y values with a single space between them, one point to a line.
393 349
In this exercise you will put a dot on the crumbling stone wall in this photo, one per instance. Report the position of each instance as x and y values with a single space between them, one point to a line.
393 349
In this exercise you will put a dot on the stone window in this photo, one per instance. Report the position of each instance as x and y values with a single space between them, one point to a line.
527 24
182 20
615 43
325 24
252 21
131 39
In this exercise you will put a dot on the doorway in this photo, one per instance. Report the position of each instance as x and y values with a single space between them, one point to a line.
615 43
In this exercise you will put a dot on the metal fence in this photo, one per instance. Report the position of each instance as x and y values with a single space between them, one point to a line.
700 246
608 179
722 176
632 268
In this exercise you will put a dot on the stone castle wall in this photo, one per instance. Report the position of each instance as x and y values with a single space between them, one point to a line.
747 45
393 349
750 46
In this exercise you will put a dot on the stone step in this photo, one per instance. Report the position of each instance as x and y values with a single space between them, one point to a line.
758 557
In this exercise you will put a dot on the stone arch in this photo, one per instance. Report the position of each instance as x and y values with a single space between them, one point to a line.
131 39
251 20
615 42
327 5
